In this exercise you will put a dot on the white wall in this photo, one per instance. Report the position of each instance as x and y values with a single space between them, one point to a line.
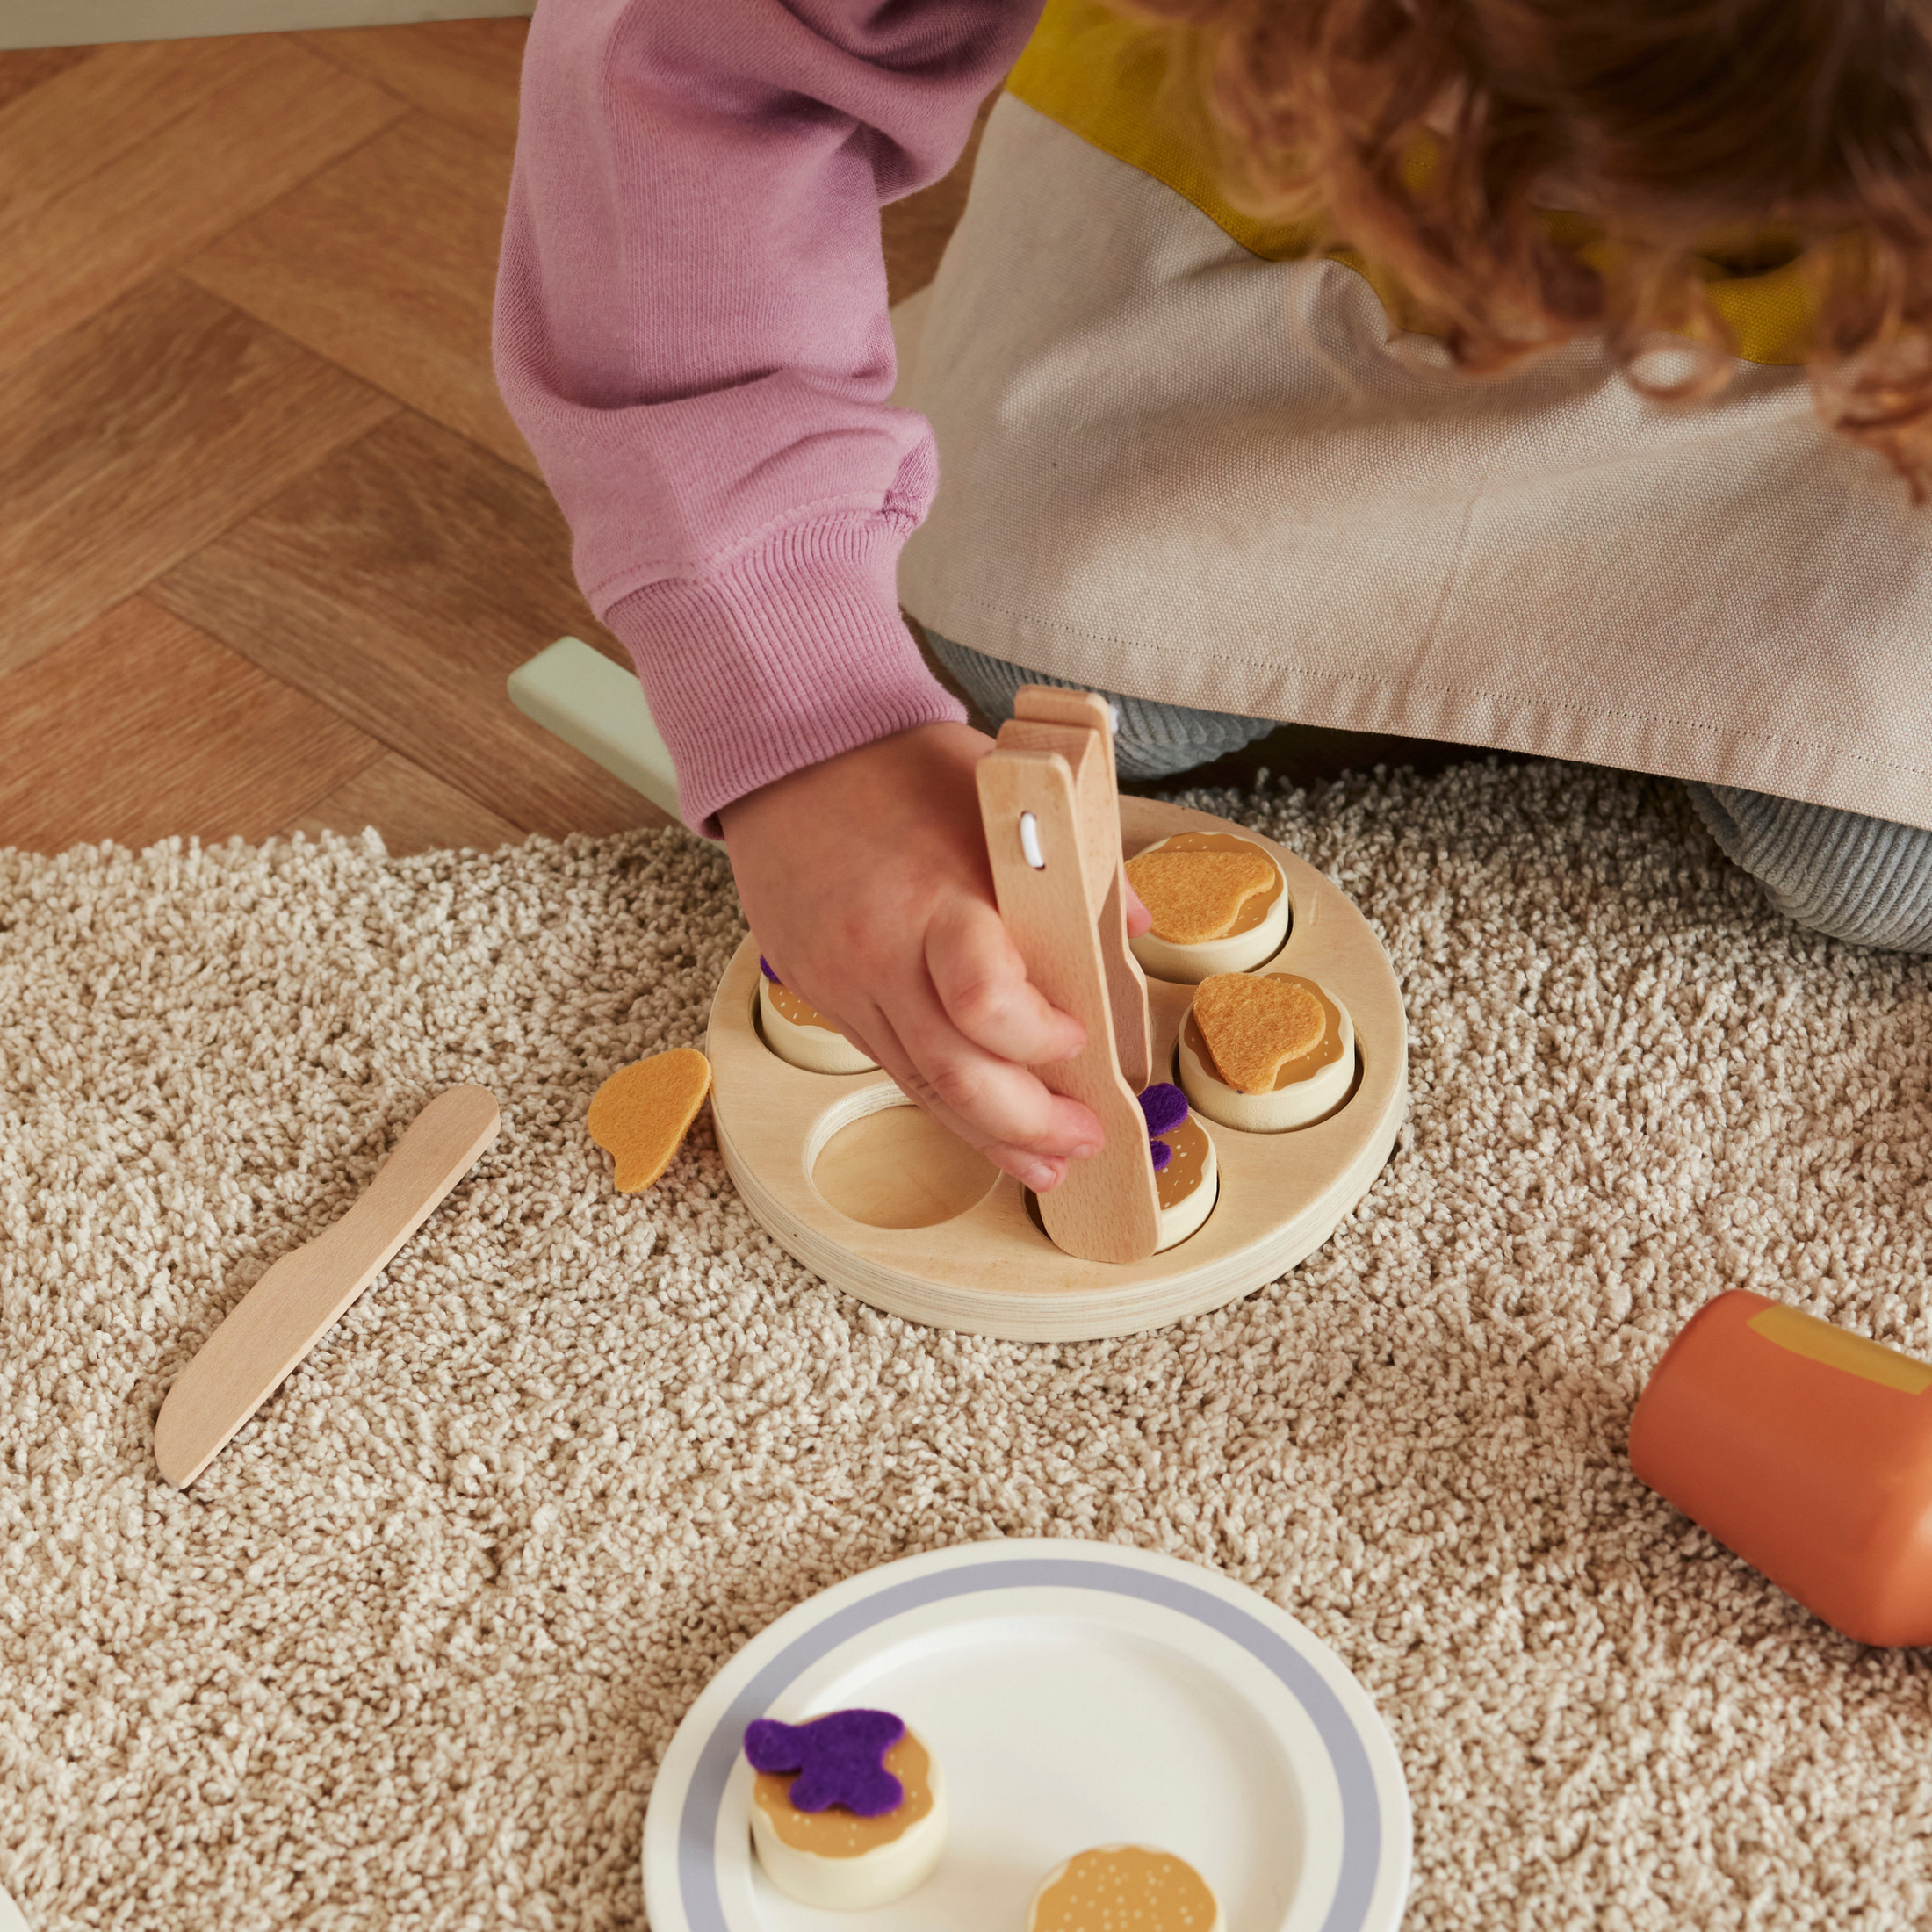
83 23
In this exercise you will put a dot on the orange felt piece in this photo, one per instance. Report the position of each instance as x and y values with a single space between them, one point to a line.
642 1113
1198 896
1251 1025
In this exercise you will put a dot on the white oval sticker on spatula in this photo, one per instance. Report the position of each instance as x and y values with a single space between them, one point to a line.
283 1317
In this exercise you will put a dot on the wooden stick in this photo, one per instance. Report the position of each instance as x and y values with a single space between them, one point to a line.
1126 990
1107 1208
1100 814
277 1322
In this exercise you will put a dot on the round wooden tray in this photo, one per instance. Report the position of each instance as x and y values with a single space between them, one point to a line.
871 1194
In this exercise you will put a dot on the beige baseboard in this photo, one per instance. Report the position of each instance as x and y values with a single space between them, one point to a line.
87 23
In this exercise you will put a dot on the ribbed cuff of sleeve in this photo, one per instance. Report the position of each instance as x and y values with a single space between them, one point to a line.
785 656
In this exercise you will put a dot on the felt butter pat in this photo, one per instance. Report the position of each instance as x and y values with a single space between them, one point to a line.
1266 1052
1251 1025
1125 1888
1219 902
642 1113
848 1812
1196 896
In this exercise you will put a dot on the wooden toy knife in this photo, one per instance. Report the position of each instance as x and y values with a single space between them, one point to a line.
276 1323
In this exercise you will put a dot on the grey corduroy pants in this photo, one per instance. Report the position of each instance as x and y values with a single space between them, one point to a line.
1864 880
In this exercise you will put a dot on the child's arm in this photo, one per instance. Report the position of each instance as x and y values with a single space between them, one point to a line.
692 334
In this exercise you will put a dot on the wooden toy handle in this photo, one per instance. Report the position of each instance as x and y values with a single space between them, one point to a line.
1037 704
276 1323
1045 796
1125 991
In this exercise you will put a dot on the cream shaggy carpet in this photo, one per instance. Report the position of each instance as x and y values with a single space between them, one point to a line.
407 1655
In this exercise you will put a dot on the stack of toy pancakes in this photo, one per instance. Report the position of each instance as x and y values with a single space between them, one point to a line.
1261 1049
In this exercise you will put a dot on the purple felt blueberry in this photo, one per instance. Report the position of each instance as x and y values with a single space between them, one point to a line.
839 1760
1166 1107
764 966
1162 1153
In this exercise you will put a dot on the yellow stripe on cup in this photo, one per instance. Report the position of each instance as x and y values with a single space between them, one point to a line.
1820 1342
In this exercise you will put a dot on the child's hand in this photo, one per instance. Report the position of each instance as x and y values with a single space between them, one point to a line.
865 879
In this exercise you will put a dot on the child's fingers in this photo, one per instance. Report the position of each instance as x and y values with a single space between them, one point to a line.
991 1104
1042 1176
982 983
1139 920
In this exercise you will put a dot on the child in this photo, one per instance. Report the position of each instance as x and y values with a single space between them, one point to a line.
1531 374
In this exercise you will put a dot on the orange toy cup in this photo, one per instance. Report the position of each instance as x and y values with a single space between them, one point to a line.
1808 1451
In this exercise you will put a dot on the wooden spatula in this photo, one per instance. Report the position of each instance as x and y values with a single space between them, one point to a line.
1099 805
283 1317
1053 838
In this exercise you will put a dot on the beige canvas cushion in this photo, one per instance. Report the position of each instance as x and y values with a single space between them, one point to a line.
1172 469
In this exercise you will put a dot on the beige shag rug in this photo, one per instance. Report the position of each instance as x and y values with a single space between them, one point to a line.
407 1655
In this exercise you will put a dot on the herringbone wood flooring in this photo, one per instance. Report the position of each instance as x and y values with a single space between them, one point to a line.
269 543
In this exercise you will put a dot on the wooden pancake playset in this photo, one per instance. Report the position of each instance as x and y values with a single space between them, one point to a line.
1250 1075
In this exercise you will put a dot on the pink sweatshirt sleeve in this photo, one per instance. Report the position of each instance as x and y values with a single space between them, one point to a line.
691 331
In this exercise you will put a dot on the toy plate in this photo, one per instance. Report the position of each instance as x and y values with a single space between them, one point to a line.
1075 1694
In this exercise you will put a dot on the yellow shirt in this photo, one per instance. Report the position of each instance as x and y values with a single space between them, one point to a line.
1106 79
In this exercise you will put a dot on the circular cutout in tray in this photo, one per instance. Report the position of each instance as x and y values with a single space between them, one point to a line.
895 1166
989 1270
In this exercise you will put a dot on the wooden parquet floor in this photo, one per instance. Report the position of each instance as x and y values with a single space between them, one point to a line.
270 543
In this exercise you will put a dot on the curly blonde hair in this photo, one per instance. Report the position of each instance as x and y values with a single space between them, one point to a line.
1669 122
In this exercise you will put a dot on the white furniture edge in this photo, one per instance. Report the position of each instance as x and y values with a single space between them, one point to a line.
597 708
90 22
